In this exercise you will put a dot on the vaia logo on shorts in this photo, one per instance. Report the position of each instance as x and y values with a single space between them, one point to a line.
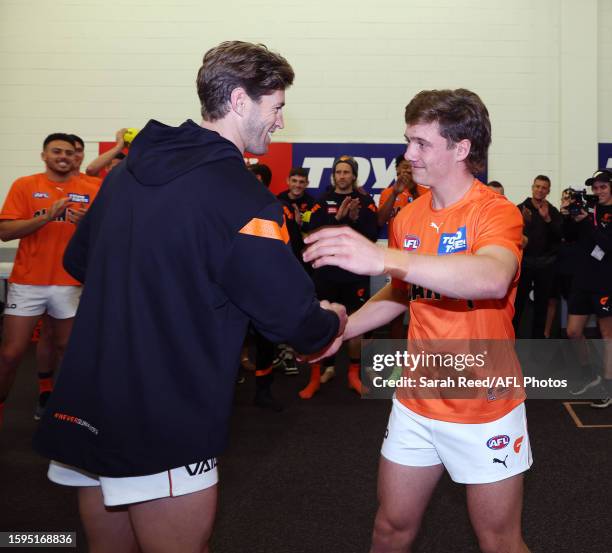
38 195
498 442
201 466
411 242
453 242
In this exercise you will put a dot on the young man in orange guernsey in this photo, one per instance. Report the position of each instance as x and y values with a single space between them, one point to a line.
41 210
46 355
462 242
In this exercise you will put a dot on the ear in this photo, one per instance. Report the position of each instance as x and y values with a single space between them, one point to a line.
238 100
463 148
42 155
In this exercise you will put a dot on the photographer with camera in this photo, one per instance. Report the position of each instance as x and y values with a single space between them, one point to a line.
588 220
542 227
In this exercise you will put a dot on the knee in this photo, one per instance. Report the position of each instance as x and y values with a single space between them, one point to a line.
392 535
10 356
574 333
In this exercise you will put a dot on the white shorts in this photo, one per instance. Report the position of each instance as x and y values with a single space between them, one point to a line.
134 489
26 300
471 453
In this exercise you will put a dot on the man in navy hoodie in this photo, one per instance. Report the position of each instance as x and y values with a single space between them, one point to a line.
172 279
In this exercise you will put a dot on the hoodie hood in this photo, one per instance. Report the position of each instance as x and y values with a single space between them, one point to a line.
161 153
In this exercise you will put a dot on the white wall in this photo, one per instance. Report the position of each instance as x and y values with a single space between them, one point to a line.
604 70
92 67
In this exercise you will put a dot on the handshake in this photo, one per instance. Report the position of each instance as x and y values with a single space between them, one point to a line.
335 344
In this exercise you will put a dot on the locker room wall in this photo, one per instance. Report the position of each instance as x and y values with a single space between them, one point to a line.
544 69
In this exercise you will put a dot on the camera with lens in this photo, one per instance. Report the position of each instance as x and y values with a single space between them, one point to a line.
579 201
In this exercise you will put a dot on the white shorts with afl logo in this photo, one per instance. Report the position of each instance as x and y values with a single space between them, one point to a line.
134 489
471 453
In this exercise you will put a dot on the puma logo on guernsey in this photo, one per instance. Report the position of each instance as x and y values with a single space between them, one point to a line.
496 460
201 467
433 225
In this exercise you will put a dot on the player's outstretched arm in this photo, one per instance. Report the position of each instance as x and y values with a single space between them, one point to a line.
379 310
485 275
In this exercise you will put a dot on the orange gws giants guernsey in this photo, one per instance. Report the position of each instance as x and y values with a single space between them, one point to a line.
39 256
481 218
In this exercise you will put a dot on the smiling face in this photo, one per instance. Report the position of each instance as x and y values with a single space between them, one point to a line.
432 160
539 190
603 192
297 184
262 118
58 156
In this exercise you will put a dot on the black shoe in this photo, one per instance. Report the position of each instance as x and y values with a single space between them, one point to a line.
291 368
42 405
265 400
601 403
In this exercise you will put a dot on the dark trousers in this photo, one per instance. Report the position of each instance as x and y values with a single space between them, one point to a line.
537 274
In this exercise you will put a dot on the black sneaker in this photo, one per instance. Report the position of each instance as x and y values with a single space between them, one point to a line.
601 403
291 368
582 386
42 405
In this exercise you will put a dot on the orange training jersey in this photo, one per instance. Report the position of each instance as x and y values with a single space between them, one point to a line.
96 181
401 200
481 218
39 256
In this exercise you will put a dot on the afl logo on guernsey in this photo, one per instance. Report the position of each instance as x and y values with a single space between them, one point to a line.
498 442
411 242
40 195
453 242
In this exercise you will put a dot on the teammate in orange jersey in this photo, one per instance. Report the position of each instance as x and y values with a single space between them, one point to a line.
42 210
46 355
462 243
402 192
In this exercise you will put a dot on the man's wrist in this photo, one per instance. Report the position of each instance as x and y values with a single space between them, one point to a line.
394 263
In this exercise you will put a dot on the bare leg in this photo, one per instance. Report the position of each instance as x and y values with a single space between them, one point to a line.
551 311
108 529
16 335
181 523
605 327
575 329
403 493
46 355
60 330
495 511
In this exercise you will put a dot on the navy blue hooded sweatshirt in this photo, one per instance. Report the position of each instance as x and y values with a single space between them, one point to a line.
181 249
